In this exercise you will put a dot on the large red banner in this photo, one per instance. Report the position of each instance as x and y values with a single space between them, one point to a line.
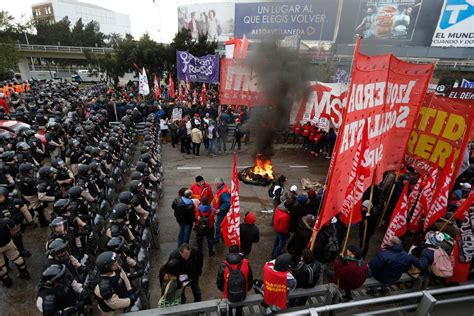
386 94
443 126
238 83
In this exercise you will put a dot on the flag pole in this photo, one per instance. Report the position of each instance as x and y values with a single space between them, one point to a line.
366 219
388 200
350 219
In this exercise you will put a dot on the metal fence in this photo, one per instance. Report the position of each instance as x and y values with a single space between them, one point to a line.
63 49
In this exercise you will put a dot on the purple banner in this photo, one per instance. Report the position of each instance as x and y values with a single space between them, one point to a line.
197 69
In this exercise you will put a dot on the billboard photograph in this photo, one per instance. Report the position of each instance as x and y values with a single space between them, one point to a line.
456 25
214 19
404 22
311 20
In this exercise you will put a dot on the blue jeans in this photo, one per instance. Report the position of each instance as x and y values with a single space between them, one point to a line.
184 234
280 241
222 146
212 149
217 226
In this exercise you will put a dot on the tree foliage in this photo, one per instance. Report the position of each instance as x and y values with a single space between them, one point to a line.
9 57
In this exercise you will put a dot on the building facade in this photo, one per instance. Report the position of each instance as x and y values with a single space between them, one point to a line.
56 10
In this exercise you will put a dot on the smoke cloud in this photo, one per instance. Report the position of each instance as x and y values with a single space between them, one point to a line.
281 76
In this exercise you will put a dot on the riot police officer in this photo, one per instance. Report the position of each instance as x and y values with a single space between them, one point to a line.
114 293
48 189
26 184
8 250
118 223
58 253
17 211
73 152
84 180
65 178
58 294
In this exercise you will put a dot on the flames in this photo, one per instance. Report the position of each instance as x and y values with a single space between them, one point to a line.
263 167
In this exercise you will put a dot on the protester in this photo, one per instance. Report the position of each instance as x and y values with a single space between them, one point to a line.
388 265
174 128
196 139
212 139
234 278
299 210
307 273
201 189
350 271
221 205
183 138
367 226
278 281
190 266
205 226
171 287
276 190
237 135
281 224
301 237
184 212
327 245
249 233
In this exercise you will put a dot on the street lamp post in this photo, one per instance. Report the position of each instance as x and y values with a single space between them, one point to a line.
159 30
31 58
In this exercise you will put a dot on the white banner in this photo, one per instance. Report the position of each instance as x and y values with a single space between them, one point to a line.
456 25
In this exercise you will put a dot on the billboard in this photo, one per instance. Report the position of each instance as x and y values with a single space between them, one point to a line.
456 25
311 20
390 22
214 19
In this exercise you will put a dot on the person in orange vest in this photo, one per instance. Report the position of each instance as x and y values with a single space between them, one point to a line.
277 283
201 189
231 282
306 132
27 86
4 104
18 88
221 205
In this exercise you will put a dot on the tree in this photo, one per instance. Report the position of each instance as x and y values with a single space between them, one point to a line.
9 57
53 33
77 33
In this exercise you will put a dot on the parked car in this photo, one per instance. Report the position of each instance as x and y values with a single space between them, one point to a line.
85 75
14 128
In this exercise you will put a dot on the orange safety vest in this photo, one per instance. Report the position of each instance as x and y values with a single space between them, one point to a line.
217 197
27 87
274 286
18 88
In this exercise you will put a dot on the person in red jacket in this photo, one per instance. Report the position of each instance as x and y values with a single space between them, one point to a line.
201 189
350 271
281 223
306 132
235 260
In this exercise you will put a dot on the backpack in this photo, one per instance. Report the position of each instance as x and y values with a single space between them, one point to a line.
236 285
442 266
332 247
272 189
203 224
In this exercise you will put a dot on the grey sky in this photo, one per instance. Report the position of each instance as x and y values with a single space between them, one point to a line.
144 14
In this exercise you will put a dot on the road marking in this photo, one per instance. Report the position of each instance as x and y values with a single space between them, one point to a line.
243 167
297 166
188 168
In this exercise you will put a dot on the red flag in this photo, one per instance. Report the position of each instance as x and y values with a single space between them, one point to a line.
244 47
203 94
156 86
230 226
398 222
415 192
459 214
424 200
195 96
171 83
460 269
355 190
188 88
440 202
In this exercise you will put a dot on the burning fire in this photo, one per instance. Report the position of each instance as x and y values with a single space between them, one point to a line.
263 167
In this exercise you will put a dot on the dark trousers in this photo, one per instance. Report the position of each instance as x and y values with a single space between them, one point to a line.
194 284
196 149
237 141
185 146
209 235
174 140
239 311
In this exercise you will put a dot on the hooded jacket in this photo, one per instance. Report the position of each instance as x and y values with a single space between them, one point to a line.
351 273
281 221
184 211
389 264
301 239
249 234
193 266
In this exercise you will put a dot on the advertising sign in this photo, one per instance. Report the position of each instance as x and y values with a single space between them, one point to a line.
388 22
197 69
311 20
443 126
456 25
214 19
238 83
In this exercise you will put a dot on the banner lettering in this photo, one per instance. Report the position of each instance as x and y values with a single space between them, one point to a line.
197 69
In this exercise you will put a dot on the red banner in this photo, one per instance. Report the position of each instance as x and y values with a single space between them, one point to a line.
386 94
230 226
325 102
442 126
355 191
172 93
398 222
238 83
460 269
156 87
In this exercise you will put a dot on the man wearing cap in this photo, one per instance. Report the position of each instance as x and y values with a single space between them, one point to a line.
221 205
201 189
249 233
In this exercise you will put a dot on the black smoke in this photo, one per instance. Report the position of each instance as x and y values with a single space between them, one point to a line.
282 78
